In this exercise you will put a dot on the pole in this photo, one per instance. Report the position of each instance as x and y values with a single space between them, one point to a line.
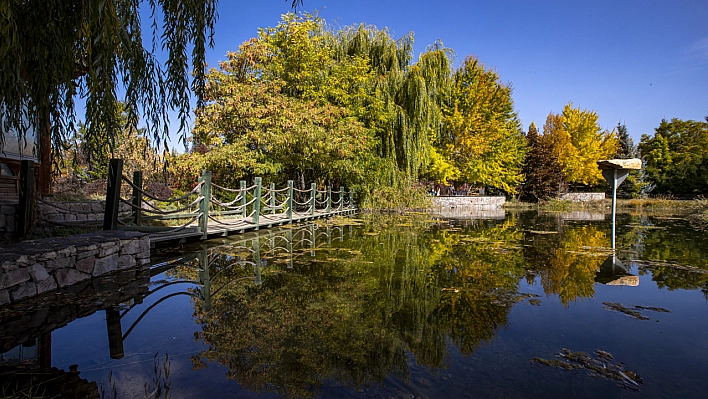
204 204
289 202
242 186
272 198
27 192
137 197
115 173
257 202
313 187
614 207
329 199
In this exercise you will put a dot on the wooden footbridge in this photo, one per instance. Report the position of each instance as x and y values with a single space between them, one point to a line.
210 210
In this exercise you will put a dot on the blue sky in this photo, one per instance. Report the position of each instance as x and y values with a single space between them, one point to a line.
635 61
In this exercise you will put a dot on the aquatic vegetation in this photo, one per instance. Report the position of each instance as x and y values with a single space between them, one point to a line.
601 366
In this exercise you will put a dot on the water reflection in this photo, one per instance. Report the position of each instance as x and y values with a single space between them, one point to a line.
311 311
358 302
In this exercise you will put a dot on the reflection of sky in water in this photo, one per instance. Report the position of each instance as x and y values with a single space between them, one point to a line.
433 276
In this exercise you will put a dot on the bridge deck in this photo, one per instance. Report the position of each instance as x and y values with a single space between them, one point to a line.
225 226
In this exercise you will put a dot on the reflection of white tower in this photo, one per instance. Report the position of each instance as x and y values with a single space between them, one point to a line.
613 272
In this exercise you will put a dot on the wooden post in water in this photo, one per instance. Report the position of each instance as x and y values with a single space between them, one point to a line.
204 278
242 186
289 239
137 197
27 192
341 198
313 187
289 201
257 202
115 333
115 174
257 258
204 204
329 199
272 198
313 237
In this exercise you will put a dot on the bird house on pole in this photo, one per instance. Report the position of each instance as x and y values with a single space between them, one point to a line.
615 171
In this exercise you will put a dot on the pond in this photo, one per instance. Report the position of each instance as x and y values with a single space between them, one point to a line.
508 304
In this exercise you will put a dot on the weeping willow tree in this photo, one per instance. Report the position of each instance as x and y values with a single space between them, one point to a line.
405 108
54 51
360 71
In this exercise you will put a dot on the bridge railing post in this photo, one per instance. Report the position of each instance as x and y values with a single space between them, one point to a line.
329 199
289 201
137 197
27 192
115 174
341 198
351 199
272 198
313 195
257 201
244 200
204 204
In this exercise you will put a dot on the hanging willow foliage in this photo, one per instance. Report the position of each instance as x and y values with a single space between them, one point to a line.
53 50
409 94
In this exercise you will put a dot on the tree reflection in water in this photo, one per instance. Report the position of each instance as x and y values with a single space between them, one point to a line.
352 310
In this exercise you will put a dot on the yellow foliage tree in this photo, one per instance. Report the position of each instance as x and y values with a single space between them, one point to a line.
580 142
482 135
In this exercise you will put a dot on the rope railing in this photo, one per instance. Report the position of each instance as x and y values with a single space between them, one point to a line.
227 208
168 200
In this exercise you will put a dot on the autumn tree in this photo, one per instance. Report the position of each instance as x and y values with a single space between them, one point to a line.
482 134
543 173
305 102
676 159
579 143
268 113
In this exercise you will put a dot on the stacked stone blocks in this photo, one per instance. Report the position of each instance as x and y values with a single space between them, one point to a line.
30 268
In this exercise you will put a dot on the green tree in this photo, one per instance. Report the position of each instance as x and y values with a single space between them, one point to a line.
403 108
482 134
543 173
676 158
632 186
54 50
304 101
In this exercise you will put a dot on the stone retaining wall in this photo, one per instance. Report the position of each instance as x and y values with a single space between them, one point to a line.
582 197
57 214
471 201
33 267
8 217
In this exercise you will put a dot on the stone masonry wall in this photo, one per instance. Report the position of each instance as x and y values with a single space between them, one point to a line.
471 201
33 267
8 212
56 214
582 197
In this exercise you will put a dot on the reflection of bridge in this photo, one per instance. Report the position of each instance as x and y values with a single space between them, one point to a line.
211 210
25 335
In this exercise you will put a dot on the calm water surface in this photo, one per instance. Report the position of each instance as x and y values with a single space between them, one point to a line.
404 307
